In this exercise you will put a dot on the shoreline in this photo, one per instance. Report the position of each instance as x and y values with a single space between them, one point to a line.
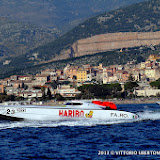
123 101
136 101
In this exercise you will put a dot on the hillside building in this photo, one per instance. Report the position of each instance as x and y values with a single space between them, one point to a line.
81 75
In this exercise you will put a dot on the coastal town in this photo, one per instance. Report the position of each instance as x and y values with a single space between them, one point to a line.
66 81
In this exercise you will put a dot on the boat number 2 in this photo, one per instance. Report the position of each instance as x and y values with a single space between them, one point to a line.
10 111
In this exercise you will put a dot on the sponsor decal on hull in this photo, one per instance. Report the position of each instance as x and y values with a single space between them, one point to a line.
13 111
75 113
89 115
119 115
71 113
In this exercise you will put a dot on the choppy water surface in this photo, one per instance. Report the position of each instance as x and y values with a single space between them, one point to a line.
85 139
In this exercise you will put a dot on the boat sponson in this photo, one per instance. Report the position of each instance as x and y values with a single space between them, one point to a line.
4 117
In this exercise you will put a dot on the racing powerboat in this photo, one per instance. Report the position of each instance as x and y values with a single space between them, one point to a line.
72 110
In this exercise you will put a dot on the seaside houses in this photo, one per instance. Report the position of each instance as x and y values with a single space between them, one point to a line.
30 94
1 88
67 91
70 71
152 73
145 90
25 78
40 80
81 75
59 72
54 79
99 76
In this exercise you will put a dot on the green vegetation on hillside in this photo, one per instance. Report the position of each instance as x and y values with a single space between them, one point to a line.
128 19
156 84
62 14
138 54
18 39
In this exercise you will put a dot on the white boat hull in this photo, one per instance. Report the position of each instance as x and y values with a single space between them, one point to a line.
61 113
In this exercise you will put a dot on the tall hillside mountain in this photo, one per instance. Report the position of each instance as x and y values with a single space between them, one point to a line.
136 23
26 25
142 17
17 38
57 13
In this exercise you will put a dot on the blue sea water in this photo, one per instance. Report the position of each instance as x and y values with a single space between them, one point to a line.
84 139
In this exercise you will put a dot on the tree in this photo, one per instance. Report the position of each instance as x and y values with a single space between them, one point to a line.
130 78
116 88
156 84
129 87
54 84
24 86
59 97
140 59
43 92
100 91
49 95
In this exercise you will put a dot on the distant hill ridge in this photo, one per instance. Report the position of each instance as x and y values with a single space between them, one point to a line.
57 13
142 17
18 33
17 38
108 42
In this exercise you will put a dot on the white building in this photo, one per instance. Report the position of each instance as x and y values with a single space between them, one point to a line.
147 92
67 91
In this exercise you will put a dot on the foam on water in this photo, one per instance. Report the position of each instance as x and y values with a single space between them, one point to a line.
149 115
36 124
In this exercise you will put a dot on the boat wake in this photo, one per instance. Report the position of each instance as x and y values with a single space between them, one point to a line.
149 115
37 124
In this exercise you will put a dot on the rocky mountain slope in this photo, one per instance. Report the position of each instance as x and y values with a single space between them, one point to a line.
111 41
142 17
17 38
